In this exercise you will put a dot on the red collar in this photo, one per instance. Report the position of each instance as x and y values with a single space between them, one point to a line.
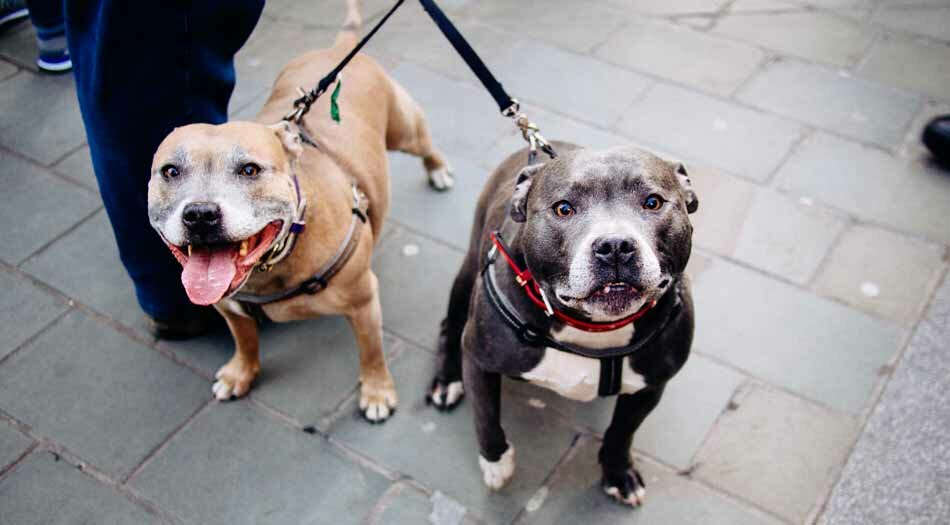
536 295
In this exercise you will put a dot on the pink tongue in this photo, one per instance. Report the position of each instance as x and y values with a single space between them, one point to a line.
208 274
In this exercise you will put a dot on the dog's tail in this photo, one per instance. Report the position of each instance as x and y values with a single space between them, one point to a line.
349 34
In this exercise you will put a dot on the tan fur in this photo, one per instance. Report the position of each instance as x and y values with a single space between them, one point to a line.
376 114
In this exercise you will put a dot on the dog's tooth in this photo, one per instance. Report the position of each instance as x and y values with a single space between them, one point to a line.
189 250
243 250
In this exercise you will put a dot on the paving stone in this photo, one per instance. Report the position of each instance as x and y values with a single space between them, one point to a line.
766 327
785 237
404 504
46 490
882 273
12 445
900 466
271 46
777 451
722 134
557 22
446 216
310 367
680 7
411 35
18 45
7 70
578 86
307 367
919 65
324 15
94 275
724 202
683 55
674 431
835 101
77 166
414 289
871 185
105 398
458 129
931 21
450 460
24 310
258 470
47 107
37 205
576 496
812 35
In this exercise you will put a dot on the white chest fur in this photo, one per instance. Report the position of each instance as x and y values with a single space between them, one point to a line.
577 377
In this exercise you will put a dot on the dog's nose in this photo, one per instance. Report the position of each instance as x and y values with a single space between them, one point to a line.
201 216
614 249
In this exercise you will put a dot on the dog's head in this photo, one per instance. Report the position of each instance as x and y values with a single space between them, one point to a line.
221 197
605 232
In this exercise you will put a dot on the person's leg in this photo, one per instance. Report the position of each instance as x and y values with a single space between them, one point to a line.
142 69
47 18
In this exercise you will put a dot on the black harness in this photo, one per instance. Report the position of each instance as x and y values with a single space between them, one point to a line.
611 359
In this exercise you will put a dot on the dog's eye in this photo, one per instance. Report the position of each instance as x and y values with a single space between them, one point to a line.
170 172
563 209
653 202
250 170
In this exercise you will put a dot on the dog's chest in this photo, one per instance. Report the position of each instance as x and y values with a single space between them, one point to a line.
577 377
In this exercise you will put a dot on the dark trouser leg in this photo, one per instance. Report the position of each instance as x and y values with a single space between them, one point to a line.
614 456
46 14
143 68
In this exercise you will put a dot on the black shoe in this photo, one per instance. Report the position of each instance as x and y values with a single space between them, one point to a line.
202 321
937 139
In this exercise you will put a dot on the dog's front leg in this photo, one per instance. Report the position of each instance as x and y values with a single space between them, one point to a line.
497 456
234 379
377 390
621 480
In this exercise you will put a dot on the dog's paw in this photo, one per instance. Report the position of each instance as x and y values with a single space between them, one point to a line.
234 379
377 403
496 473
445 396
441 179
625 487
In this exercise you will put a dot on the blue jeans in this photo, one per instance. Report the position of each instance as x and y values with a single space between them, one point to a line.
143 68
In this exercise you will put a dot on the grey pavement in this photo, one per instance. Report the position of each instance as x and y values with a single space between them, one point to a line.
818 387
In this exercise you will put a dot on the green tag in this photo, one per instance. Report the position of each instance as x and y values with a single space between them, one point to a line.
334 107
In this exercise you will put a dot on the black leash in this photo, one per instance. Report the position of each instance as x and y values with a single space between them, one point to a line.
508 106
302 104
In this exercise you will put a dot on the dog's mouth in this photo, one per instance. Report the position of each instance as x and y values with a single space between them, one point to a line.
212 271
613 297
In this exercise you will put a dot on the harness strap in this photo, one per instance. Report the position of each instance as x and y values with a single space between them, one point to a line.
252 303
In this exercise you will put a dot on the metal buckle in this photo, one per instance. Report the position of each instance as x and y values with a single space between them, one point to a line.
513 110
547 305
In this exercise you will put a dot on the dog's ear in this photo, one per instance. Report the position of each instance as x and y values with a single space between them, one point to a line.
692 202
289 135
519 197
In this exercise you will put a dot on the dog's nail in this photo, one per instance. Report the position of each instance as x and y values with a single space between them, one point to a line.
310 429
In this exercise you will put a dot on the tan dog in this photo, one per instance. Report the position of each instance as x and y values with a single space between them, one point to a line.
224 199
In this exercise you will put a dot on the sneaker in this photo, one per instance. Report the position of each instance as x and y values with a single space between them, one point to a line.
54 61
12 10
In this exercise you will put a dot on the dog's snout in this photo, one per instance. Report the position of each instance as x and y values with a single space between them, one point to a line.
614 249
201 216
